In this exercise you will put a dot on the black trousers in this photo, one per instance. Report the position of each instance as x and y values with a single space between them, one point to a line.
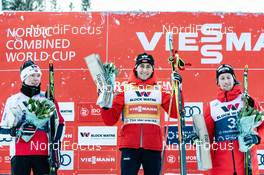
131 159
22 165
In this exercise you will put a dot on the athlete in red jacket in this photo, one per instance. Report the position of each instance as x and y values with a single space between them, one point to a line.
140 138
221 121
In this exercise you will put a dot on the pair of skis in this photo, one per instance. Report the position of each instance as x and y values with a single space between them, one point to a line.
245 94
54 158
177 64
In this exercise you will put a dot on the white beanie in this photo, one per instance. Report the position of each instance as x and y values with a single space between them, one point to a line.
27 69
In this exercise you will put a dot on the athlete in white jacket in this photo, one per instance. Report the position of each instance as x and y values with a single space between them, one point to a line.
29 146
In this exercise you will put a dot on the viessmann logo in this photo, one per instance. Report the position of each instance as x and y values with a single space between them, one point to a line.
150 109
98 159
209 40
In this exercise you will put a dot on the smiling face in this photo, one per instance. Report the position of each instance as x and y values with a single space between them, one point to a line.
144 71
226 81
33 80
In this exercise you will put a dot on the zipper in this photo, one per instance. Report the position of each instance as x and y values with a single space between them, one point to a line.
141 136
226 100
232 151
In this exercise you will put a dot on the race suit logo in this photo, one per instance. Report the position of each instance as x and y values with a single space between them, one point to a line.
230 107
143 94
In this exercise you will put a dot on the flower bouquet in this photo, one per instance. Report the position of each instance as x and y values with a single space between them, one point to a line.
249 119
39 111
35 114
106 96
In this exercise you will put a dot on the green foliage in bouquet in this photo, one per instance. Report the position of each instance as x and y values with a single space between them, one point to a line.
39 111
110 73
248 119
110 69
250 111
43 108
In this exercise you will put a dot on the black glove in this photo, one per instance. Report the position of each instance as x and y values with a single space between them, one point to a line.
175 76
13 131
251 139
194 138
251 102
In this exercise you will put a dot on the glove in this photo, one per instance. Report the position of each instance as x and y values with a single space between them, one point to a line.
251 140
13 131
175 76
251 102
194 138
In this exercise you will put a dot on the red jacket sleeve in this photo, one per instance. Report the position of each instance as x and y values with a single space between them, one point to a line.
111 116
166 103
209 122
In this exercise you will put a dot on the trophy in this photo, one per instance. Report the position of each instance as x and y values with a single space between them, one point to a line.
104 78
203 154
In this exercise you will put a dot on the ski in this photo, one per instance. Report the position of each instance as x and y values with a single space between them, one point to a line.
53 148
178 64
245 97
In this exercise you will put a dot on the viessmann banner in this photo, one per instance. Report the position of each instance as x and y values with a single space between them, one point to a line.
205 40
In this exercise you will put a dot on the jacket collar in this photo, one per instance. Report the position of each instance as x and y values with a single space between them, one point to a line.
225 96
30 91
